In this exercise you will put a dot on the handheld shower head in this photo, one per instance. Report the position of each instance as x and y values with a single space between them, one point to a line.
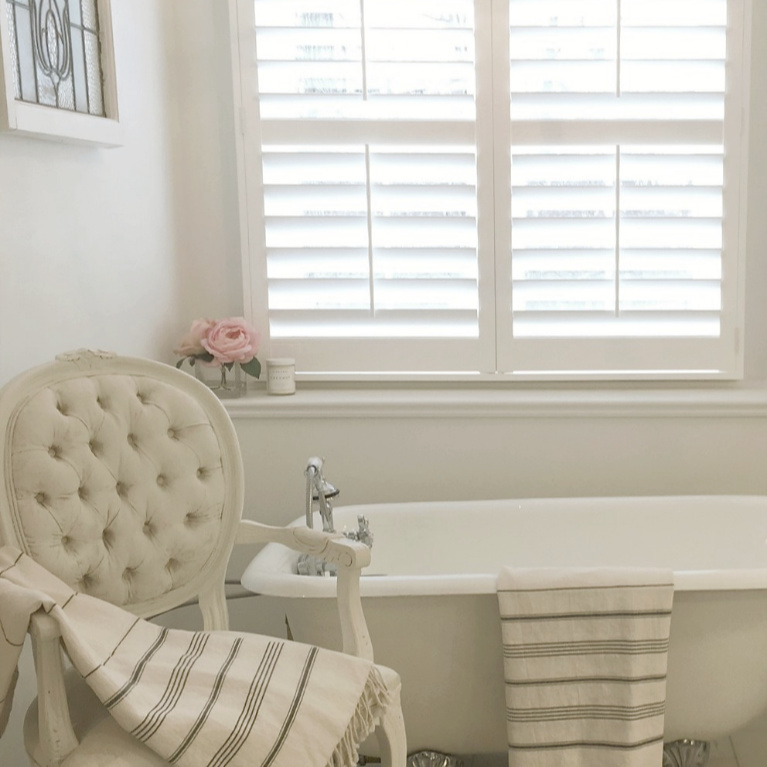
319 489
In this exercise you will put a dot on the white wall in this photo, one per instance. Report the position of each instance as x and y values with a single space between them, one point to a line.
88 234
121 248
208 268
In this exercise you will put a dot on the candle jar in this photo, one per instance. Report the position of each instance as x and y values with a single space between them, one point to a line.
281 376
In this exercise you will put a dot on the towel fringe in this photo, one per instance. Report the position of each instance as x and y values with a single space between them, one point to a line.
375 697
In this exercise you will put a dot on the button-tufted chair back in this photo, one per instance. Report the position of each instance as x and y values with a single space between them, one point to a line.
123 477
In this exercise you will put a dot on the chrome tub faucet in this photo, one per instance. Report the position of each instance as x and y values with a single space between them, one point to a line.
320 491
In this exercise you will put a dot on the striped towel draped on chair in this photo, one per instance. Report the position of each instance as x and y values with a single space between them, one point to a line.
585 657
215 698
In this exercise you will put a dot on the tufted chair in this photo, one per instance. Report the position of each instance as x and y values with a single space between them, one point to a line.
123 477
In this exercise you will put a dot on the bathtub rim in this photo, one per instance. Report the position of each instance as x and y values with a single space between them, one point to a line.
286 584
272 571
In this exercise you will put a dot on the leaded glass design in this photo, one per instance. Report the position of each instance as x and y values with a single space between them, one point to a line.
55 54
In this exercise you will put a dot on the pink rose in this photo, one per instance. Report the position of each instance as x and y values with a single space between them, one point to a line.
231 340
191 343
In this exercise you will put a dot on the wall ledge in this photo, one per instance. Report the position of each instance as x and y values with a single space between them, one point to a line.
451 403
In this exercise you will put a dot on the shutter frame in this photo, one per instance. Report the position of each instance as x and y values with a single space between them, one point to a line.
496 352
527 349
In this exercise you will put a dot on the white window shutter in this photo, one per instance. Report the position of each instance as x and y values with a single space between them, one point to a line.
367 119
618 257
521 188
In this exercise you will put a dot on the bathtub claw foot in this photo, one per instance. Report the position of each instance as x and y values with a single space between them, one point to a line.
433 759
686 753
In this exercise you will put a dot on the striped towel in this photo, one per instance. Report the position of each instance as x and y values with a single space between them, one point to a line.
197 698
585 656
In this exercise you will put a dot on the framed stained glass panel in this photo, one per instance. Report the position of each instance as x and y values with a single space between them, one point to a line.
58 69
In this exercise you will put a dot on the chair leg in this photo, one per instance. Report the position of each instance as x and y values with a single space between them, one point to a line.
392 742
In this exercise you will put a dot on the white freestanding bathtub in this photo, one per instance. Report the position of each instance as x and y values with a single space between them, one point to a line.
429 599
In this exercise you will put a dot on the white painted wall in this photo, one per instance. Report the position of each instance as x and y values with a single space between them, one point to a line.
88 234
121 248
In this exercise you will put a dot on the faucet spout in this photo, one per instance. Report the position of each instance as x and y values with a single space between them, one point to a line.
320 490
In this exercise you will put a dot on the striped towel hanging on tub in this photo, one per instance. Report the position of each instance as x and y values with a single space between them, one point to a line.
585 655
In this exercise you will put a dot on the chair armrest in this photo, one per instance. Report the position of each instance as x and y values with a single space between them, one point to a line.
330 547
350 557
56 737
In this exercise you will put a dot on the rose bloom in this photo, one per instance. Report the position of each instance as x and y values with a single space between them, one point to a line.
231 340
191 343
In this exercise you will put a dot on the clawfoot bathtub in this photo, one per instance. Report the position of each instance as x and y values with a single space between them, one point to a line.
429 599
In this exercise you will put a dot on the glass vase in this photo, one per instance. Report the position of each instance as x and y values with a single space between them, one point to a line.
227 382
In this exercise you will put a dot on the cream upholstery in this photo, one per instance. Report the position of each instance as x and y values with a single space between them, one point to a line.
123 477
117 485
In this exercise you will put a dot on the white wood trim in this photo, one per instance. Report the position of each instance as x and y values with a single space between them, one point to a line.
494 403
108 68
487 169
239 149
7 90
606 132
330 131
62 125
736 172
503 131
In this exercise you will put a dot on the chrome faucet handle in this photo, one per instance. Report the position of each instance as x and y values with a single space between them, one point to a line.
310 565
362 533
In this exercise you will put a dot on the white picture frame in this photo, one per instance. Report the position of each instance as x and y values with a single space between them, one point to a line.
59 124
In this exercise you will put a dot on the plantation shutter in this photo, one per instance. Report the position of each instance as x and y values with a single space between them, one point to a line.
369 161
521 188
623 257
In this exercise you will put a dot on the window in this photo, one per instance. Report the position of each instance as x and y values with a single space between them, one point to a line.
58 70
518 188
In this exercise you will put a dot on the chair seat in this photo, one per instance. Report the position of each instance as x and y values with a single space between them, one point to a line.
104 742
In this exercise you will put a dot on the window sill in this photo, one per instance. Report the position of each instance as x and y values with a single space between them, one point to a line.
359 402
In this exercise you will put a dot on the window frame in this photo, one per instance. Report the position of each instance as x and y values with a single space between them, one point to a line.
495 348
46 122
